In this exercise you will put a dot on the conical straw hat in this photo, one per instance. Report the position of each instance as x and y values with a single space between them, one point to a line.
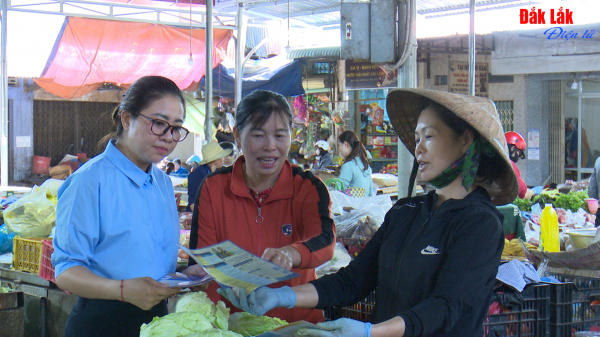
405 105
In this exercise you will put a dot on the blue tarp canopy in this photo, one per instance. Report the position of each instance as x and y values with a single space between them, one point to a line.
285 80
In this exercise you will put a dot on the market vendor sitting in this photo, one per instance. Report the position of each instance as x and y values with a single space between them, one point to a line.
516 149
179 171
325 158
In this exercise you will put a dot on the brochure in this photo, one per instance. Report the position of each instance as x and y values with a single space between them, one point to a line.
183 281
232 266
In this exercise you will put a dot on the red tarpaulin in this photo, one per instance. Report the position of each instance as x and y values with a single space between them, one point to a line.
92 52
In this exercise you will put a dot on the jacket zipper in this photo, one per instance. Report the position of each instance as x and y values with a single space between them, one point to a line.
406 246
259 220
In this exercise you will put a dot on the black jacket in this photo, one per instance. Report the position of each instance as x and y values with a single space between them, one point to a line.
434 268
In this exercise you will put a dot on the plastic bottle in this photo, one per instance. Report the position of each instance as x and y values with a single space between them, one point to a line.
549 240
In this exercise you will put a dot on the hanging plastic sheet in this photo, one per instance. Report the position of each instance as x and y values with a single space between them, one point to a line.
91 52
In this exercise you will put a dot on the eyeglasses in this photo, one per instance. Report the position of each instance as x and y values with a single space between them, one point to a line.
160 127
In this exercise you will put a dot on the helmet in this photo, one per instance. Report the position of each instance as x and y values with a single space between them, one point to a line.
193 159
322 144
514 138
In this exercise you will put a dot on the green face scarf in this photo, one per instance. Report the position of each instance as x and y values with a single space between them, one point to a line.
467 164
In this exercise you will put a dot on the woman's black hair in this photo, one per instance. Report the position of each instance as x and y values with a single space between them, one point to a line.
170 168
139 96
490 168
358 149
256 108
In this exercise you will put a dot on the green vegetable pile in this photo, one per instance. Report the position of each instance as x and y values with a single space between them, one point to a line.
5 290
195 316
249 325
573 200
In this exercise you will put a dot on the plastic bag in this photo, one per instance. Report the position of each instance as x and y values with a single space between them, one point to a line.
34 215
340 259
6 240
358 217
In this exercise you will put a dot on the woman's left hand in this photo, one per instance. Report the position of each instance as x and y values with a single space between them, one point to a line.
343 327
197 270
280 257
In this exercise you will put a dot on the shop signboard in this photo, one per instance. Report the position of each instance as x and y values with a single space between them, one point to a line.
458 78
362 74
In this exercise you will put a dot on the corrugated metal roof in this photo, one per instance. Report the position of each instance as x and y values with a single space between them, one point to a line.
327 12
317 52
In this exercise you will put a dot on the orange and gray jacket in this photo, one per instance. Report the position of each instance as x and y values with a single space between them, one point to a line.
297 212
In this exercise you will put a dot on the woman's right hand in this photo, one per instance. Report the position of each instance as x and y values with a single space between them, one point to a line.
146 292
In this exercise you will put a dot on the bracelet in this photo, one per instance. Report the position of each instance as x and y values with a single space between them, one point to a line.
121 290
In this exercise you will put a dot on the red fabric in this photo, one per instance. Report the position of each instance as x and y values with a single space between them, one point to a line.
227 211
522 186
92 52
260 197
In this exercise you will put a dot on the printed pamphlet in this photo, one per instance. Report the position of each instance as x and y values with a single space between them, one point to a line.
232 266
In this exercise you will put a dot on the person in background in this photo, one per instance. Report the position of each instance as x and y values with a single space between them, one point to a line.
117 226
325 157
212 160
355 171
594 186
266 205
179 171
434 260
516 150
170 168
193 161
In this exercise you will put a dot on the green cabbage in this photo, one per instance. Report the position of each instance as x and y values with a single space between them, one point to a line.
199 302
214 333
221 317
249 325
175 325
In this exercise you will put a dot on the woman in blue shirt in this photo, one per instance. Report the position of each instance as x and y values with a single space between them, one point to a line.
117 226
355 171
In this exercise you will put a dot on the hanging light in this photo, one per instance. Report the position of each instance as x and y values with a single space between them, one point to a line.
191 59
288 49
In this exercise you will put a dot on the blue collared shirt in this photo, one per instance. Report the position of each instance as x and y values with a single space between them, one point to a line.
117 220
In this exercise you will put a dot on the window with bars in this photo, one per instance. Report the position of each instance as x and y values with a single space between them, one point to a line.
505 111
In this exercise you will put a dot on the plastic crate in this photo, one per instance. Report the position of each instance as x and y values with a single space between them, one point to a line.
46 268
530 317
571 305
27 253
361 311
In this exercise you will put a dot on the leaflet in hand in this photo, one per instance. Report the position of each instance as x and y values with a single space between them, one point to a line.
182 280
232 266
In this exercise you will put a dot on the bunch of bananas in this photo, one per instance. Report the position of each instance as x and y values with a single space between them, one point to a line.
513 248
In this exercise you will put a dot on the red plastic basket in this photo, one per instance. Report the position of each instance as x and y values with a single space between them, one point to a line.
46 268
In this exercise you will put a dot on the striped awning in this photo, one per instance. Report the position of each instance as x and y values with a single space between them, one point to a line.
332 53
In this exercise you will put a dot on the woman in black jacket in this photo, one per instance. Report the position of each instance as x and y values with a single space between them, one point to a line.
435 257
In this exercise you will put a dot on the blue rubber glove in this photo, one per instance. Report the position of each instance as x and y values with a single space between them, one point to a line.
343 327
261 300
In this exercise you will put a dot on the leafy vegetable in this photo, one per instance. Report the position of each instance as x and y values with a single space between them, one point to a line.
175 325
214 333
200 303
221 316
572 200
5 290
250 325
196 301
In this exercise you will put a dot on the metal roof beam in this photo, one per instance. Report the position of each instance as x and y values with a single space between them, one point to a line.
272 17
106 11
